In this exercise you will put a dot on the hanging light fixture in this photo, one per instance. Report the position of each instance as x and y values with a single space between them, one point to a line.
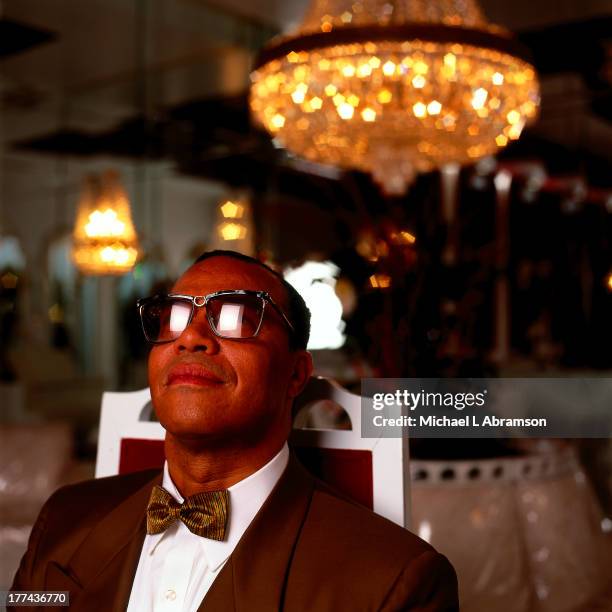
394 87
234 228
105 241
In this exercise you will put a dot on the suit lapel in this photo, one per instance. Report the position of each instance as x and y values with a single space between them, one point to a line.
103 566
254 577
58 578
126 566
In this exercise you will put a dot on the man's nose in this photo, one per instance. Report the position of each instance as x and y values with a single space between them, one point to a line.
198 336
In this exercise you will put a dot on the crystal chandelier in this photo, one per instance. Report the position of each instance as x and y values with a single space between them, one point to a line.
105 240
394 87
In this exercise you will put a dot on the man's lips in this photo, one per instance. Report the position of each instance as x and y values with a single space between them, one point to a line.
192 374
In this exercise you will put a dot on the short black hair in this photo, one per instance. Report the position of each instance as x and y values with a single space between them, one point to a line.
298 314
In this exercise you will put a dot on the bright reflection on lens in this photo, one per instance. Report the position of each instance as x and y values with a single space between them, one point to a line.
230 319
179 316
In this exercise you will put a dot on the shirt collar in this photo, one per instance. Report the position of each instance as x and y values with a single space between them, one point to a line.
246 498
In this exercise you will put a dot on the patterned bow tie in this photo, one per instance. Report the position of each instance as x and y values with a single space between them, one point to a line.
204 514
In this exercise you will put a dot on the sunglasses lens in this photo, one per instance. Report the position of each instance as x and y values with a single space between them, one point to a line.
235 316
164 319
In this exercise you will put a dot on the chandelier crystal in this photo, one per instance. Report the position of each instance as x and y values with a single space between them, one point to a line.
105 241
394 87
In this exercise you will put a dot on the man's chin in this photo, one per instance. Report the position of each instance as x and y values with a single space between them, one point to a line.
209 432
189 403
191 433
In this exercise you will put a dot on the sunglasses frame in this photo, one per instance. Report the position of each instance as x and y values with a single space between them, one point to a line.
198 301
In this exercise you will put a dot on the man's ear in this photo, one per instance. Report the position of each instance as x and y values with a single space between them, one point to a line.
302 369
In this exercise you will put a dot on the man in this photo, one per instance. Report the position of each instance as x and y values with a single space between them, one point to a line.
254 531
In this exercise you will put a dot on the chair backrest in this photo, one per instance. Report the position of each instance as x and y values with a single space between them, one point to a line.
128 439
326 437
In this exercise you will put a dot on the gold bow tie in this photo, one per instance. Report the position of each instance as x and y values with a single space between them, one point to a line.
204 514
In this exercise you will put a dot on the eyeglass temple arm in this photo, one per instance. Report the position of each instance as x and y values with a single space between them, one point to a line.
280 312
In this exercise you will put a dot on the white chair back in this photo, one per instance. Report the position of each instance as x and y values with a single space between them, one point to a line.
317 412
123 416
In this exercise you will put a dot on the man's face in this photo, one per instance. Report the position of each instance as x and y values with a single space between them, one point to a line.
228 391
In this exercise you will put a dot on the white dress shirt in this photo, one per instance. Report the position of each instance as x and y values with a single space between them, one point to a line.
177 567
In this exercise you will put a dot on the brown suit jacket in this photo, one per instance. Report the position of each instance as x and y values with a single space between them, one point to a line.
308 549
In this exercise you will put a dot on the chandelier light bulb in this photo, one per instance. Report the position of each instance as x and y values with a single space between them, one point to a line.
105 241
232 210
232 231
393 90
234 225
